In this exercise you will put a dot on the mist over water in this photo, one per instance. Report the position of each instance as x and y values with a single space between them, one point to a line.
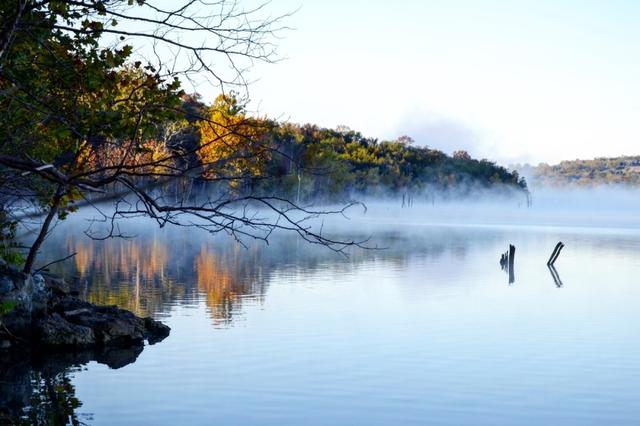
427 329
606 208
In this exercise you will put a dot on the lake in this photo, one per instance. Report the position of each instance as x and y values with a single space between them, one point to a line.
427 330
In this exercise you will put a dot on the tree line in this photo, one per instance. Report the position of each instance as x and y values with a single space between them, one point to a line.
311 162
623 170
93 107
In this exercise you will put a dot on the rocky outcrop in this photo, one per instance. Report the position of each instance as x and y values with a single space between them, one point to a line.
24 295
54 330
73 322
44 314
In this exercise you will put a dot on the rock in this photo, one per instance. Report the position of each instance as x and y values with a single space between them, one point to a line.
38 283
17 291
39 295
156 331
54 330
70 304
55 284
46 316
77 312
111 325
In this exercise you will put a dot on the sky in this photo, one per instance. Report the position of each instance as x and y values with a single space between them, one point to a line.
511 81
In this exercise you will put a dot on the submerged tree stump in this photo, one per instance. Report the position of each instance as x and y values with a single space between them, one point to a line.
556 252
507 260
512 254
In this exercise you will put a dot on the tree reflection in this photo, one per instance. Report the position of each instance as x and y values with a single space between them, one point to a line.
37 389
555 276
128 273
226 278
156 270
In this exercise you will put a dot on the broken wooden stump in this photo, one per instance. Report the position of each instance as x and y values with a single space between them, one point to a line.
504 260
555 253
512 254
507 260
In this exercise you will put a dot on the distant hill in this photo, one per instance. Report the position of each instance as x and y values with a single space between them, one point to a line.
600 171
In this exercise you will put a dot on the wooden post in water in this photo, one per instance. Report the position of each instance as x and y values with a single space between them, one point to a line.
512 254
555 253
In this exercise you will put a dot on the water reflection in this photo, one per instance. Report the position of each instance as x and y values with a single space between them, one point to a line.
158 269
148 275
127 273
555 276
37 389
425 329
226 277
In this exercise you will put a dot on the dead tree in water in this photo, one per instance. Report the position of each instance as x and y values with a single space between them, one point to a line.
407 200
512 254
504 260
555 253
507 262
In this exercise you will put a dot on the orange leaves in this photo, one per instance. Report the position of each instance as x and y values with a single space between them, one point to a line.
231 144
139 158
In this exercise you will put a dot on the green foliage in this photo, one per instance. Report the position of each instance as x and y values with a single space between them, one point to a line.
309 161
600 171
12 257
8 244
64 94
337 163
6 306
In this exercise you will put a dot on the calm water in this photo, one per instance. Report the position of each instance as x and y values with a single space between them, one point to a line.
427 331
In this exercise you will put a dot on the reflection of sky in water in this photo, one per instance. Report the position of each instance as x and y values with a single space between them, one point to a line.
426 331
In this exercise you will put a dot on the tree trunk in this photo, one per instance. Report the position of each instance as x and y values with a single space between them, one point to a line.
9 29
35 247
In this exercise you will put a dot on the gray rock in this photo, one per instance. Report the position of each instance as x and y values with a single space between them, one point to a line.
38 283
20 286
55 284
39 296
111 325
45 315
156 331
54 330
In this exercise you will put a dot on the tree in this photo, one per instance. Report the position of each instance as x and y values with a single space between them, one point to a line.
461 155
84 115
232 145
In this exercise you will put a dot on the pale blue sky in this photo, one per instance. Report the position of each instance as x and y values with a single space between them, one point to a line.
507 80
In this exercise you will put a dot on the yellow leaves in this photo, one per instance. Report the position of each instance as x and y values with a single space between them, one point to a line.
232 144
147 157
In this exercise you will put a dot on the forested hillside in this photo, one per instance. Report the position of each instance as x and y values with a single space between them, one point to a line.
600 171
307 161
